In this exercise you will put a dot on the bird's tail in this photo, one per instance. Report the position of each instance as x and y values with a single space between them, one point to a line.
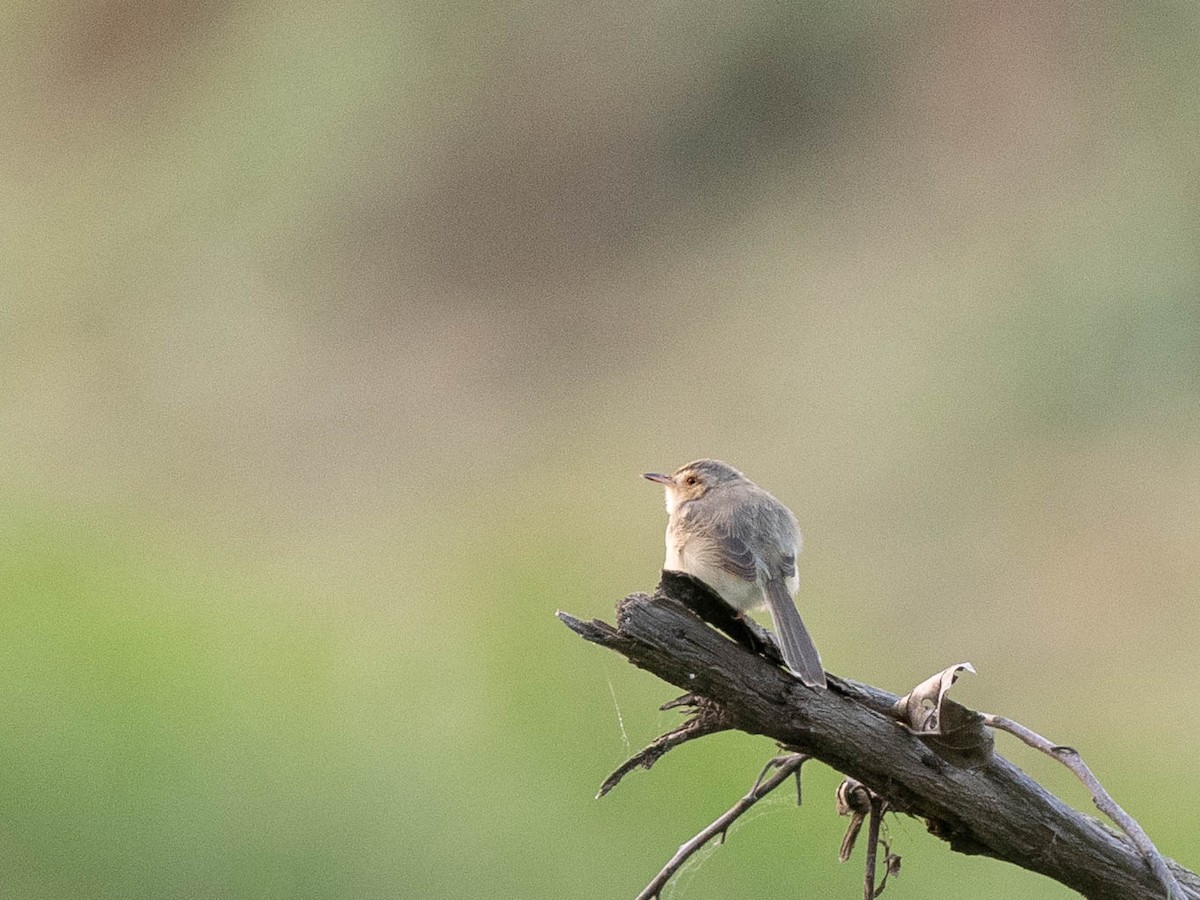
799 651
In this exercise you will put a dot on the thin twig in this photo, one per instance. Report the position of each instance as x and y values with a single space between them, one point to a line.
776 762
877 805
1070 758
707 720
786 767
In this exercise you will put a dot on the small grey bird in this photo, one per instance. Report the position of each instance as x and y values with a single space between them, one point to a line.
742 542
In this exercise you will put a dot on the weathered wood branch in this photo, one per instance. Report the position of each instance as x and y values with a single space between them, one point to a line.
994 810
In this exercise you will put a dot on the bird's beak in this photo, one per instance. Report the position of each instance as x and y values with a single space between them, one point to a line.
659 477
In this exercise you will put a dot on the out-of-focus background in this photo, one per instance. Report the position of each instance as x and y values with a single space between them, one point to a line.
335 338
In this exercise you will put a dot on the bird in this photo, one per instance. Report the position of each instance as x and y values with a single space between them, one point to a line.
739 540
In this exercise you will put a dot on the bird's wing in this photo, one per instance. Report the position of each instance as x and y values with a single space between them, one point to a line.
734 556
736 535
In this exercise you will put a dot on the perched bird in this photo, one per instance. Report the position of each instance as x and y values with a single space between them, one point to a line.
742 542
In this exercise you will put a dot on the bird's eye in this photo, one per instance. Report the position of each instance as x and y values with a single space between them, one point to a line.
691 479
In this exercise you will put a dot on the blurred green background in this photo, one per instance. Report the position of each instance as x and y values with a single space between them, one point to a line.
336 336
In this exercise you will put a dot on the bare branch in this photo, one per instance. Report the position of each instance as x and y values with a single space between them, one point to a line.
785 766
1070 758
707 720
993 809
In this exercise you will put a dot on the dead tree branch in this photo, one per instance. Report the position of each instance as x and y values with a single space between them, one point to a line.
1070 758
706 720
993 810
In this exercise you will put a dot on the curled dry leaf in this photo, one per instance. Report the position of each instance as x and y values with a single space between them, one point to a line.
853 797
954 732
920 711
854 800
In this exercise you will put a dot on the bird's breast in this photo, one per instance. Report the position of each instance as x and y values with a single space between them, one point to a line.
693 555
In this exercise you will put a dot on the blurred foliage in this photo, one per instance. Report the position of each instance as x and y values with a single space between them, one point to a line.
335 338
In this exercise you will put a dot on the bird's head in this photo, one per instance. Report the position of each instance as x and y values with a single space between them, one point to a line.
695 480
